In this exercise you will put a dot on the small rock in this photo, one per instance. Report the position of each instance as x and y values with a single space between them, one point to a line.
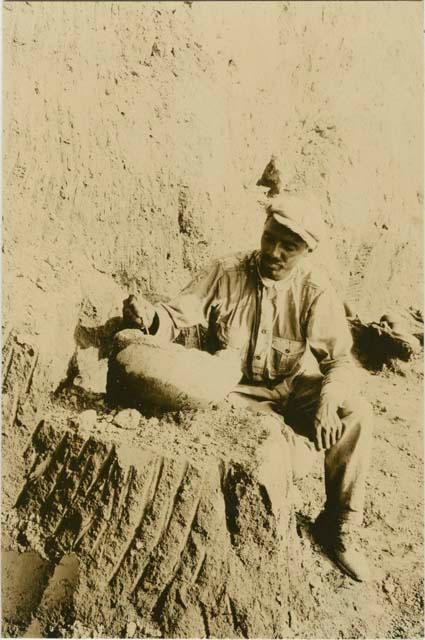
150 631
127 419
131 629
388 585
271 177
314 582
87 419
292 620
92 371
156 51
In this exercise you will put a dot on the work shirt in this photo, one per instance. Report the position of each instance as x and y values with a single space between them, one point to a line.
272 324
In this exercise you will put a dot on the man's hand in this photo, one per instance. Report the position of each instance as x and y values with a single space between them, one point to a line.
328 426
138 312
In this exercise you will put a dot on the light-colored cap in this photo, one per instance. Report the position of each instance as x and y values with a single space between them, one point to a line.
298 213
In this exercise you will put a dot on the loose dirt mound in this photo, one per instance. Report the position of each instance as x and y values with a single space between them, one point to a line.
106 484
177 520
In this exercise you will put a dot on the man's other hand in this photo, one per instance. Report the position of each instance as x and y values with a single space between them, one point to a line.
138 312
328 426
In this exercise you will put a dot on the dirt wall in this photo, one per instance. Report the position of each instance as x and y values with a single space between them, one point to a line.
134 134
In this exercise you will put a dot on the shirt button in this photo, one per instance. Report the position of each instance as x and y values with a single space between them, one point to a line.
258 357
263 331
287 351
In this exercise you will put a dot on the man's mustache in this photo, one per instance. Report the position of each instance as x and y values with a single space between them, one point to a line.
272 262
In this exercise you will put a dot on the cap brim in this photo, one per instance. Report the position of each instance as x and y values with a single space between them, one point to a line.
285 221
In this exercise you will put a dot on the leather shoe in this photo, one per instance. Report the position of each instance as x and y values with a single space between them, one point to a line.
340 539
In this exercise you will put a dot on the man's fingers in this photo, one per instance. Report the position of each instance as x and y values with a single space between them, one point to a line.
339 428
129 313
138 311
318 436
326 436
134 305
317 443
132 315
134 310
137 320
127 308
338 431
326 441
129 302
328 429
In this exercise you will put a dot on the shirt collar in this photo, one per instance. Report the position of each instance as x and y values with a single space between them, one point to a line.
277 285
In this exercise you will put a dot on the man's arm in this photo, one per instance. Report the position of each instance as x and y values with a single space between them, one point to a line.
330 341
191 307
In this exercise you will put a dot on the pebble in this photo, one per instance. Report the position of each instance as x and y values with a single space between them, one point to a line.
87 419
127 419
292 620
131 629
315 582
388 585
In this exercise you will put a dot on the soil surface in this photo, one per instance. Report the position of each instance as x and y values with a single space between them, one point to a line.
323 603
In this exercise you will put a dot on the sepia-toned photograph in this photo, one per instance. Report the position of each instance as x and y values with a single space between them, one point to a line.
212 319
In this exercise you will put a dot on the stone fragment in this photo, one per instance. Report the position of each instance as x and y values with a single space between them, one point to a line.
388 585
87 419
91 370
271 178
127 419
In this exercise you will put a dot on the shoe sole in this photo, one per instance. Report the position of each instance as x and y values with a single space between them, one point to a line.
344 569
318 536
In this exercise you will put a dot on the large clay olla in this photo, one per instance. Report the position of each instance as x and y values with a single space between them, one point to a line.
170 376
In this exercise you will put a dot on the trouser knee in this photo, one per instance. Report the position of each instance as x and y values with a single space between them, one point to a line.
357 412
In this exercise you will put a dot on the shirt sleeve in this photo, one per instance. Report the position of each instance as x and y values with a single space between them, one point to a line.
192 306
330 341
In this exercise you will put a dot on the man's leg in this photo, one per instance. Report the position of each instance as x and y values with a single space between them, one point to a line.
346 462
265 400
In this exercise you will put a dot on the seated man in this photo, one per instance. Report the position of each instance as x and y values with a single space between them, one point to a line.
272 305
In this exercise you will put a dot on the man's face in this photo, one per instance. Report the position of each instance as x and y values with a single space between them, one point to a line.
281 250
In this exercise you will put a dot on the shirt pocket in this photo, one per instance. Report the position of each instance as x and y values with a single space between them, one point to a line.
232 336
286 354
